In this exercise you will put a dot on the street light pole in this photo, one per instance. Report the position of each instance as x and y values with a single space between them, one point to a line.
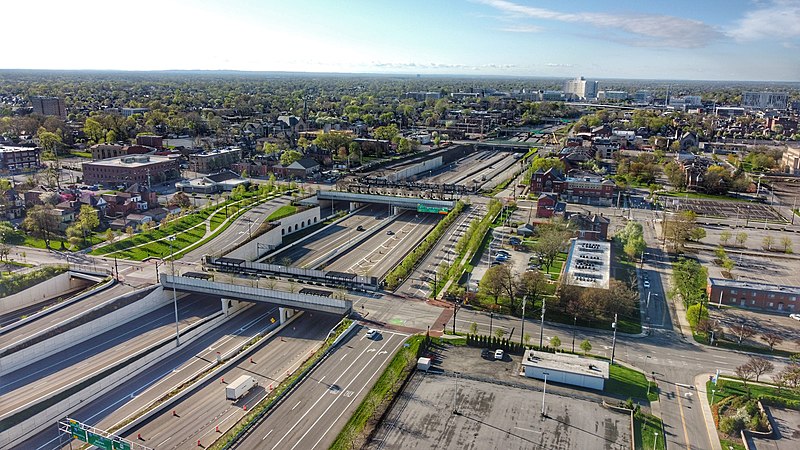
522 321
655 440
541 327
174 293
491 319
614 340
574 325
544 391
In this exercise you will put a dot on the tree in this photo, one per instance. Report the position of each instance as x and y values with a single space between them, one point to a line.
724 237
786 243
109 236
302 143
531 284
40 223
551 241
181 199
586 346
741 238
772 339
743 331
404 146
50 142
635 247
386 132
689 280
555 342
473 328
767 242
499 332
682 227
675 175
290 156
50 198
4 251
746 372
355 151
493 281
333 141
760 366
270 149
720 255
545 164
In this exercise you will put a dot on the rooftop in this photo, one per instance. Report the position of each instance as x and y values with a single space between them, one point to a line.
754 285
10 149
130 161
566 362
588 264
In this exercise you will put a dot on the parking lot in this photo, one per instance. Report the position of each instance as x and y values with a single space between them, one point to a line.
744 211
761 322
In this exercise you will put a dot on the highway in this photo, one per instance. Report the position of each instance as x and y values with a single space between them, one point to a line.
35 381
199 413
137 392
310 252
382 251
239 231
418 284
318 409
61 315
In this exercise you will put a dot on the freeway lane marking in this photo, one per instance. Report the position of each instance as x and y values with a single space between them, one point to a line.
683 419
354 397
530 431
277 444
267 435
343 357
323 377
295 406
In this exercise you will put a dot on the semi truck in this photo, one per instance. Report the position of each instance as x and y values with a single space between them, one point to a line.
239 387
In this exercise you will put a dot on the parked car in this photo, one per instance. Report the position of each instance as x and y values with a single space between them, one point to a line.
501 258
359 228
795 316
372 333
503 252
515 241
498 354
390 232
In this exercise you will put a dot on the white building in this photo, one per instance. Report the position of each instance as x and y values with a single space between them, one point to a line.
588 264
581 88
765 100
566 368
612 95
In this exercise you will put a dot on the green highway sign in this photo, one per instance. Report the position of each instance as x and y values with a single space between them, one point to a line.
432 209
77 431
100 442
80 433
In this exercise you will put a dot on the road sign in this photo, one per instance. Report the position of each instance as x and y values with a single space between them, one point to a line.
432 209
77 432
80 432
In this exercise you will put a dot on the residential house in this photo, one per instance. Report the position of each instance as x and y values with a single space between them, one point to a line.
688 140
591 227
12 205
302 168
548 205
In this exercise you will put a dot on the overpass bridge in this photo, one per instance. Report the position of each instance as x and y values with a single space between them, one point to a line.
413 203
307 299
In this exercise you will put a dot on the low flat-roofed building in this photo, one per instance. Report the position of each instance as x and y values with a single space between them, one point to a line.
214 160
588 264
128 170
16 159
755 295
565 368
212 184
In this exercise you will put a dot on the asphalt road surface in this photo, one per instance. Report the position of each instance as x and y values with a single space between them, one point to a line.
35 381
199 413
317 410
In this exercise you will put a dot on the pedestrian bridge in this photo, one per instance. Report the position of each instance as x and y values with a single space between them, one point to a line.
306 300
401 202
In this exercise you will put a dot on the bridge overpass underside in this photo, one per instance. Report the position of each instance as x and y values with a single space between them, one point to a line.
305 302
400 202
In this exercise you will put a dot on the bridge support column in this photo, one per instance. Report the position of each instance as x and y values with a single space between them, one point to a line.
353 206
230 305
286 313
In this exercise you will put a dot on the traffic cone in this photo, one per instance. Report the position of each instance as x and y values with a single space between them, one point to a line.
251 361
222 380
270 386
245 407
139 436
198 443
217 429
174 413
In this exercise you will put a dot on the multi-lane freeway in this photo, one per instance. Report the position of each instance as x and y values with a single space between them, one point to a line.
317 410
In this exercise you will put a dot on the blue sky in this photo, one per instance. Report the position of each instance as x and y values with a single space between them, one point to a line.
674 39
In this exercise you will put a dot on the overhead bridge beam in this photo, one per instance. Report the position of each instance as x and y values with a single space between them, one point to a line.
305 302
403 202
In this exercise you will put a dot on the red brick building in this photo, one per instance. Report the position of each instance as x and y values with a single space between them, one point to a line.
128 170
577 188
753 295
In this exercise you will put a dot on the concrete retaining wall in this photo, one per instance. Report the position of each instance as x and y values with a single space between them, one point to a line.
274 237
132 366
37 293
62 341
424 166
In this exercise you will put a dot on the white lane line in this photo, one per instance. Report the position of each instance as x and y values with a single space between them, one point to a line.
295 406
525 429
277 444
267 435
323 377
353 398
343 357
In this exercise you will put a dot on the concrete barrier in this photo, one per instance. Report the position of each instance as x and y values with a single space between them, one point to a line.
69 338
82 295
133 365
50 288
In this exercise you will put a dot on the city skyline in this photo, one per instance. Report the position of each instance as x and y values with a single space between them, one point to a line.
713 40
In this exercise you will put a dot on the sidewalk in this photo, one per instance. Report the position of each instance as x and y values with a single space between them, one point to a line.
700 387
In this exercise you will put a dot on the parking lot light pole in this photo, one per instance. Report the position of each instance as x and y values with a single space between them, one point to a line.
544 391
713 391
541 327
614 340
574 325
655 440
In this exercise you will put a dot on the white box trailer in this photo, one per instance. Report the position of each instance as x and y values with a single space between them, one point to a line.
239 387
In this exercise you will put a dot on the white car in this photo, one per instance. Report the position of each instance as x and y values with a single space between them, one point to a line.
498 354
646 284
795 316
373 333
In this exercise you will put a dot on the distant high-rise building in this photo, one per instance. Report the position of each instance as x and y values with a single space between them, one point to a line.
765 100
49 106
581 88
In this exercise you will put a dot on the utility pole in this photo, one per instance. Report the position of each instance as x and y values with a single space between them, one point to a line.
541 327
522 321
491 319
614 340
174 293
574 324
544 391
455 393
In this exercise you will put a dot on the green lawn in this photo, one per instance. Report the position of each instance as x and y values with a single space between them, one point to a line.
81 154
645 428
726 388
629 383
727 444
283 211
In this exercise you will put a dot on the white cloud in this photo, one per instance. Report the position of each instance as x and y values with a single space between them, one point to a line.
779 19
522 29
558 65
641 30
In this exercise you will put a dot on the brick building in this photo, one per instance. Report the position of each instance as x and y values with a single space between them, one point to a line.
215 160
105 151
17 159
49 106
150 141
127 170
748 294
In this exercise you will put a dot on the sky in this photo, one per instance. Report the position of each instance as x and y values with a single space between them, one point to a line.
639 39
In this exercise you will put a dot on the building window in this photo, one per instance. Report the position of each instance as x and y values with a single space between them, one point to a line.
793 298
752 302
754 294
771 295
771 304
733 291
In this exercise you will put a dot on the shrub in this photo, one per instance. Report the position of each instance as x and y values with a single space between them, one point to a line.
730 426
